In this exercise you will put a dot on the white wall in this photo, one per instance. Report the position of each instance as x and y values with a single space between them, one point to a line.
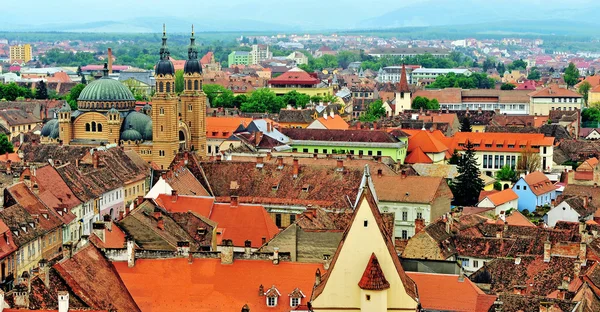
562 212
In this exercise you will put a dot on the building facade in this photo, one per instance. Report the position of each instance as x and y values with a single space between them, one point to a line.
21 52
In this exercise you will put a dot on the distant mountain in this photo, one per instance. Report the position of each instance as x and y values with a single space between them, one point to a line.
451 12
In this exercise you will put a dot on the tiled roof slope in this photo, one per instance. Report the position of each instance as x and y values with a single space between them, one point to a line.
539 183
49 180
373 277
373 136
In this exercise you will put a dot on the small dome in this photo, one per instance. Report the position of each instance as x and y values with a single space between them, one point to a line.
54 133
113 111
192 67
131 135
164 67
136 121
148 131
106 90
65 108
47 128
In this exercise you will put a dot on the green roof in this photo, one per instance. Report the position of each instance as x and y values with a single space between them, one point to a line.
105 89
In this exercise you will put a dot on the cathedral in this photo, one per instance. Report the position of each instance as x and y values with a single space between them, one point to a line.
106 114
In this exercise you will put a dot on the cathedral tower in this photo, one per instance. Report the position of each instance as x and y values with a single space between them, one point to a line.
164 110
193 101
64 121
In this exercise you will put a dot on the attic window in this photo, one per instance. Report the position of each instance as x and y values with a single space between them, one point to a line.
271 301
275 187
45 215
305 187
511 146
16 233
499 145
366 223
521 146
488 145
201 231
24 228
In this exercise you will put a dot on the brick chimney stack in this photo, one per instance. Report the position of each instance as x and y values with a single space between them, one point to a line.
95 159
279 162
419 225
63 301
110 60
234 201
174 196
340 165
227 252
130 251
98 230
296 168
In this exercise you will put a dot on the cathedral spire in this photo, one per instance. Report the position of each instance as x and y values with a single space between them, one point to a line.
192 50
164 49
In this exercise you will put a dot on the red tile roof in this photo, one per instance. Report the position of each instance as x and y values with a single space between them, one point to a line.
22 195
448 293
49 180
114 237
411 189
417 156
223 127
208 285
373 277
499 142
403 84
426 140
539 183
295 76
554 91
333 123
502 197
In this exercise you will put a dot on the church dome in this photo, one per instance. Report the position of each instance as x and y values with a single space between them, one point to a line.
148 131
192 67
48 127
131 135
54 133
136 121
106 93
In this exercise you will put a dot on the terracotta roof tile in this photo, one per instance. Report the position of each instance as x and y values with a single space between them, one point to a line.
503 197
554 91
295 76
417 156
373 277
333 123
539 183
224 127
426 141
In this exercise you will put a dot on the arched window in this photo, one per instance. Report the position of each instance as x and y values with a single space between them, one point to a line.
161 128
160 87
168 87
189 124
189 85
196 85
162 111
93 126
87 127
99 127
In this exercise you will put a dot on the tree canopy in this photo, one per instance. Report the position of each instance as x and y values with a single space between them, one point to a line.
12 91
507 86
262 100
534 74
584 90
506 173
571 75
74 95
465 125
41 92
517 65
425 103
5 145
474 81
374 112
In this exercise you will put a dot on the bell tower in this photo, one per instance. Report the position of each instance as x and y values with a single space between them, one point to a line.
193 100
65 125
164 110
114 125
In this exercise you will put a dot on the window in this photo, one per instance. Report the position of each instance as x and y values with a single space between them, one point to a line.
189 85
366 223
196 85
278 220
368 297
160 87
168 87
292 218
93 126
404 215
294 302
419 215
404 234
464 261
271 301
496 161
99 127
524 188
305 150
161 111
378 153
316 150
475 263
501 161
485 161
324 151
370 153
87 127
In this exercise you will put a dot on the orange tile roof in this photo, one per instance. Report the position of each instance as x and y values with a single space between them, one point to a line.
499 142
539 183
446 292
517 218
113 238
173 285
417 156
223 127
335 123
448 95
59 77
237 223
373 277
554 91
593 80
502 197
426 141
13 157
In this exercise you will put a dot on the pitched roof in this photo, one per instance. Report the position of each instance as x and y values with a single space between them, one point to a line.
333 123
553 91
448 293
580 205
410 189
371 136
184 182
417 156
49 180
15 117
221 288
95 281
295 76
502 197
448 95
539 183
373 277
114 238
403 84
296 116
22 195
427 142
224 127
499 142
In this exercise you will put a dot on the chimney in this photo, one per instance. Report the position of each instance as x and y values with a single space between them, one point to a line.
67 251
246 308
110 61
63 301
130 251
419 225
380 172
577 268
499 233
269 125
276 255
582 251
296 167
234 201
98 230
563 288
121 215
160 224
95 160
247 248
8 167
348 156
547 247
269 156
263 240
227 252
44 272
257 137
174 196
190 258
218 157
21 298
340 165
403 174
261 290
279 162
259 162
461 275
183 248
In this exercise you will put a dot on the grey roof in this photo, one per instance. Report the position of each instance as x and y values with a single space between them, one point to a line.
142 76
261 125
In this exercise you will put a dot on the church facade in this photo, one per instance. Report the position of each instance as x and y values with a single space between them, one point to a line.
106 114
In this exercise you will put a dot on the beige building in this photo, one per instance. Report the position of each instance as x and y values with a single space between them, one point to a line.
365 273
298 57
21 52
18 121
554 98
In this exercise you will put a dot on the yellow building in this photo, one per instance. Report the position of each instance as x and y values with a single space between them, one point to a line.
21 52
106 114
365 274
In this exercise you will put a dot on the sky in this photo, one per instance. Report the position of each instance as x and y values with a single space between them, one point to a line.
303 14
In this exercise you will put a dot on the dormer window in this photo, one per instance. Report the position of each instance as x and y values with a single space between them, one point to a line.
272 295
294 302
271 301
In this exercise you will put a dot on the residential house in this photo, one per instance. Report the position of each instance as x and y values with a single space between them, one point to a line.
7 255
300 81
415 201
589 134
534 190
588 173
501 201
140 82
296 118
383 284
298 57
409 52
393 73
355 142
571 209
218 129
331 122
553 97
18 121
426 147
421 74
180 179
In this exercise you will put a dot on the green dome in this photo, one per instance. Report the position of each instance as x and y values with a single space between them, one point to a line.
54 134
148 131
48 127
105 89
136 121
131 135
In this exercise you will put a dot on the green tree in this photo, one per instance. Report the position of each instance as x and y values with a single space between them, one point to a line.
506 173
179 81
5 145
239 99
497 186
74 95
468 184
518 64
296 99
421 102
330 98
465 125
78 70
41 92
262 100
225 99
212 91
83 80
374 112
12 91
571 75
584 90
507 86
454 158
316 99
534 74
590 114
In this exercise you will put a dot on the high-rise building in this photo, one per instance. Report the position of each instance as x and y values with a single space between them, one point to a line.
21 52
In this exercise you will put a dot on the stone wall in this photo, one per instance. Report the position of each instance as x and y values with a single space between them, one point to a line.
422 246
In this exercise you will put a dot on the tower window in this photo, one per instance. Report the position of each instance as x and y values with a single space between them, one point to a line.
161 111
190 107
161 128
168 87
93 126
99 127
87 127
196 85
160 87
189 85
